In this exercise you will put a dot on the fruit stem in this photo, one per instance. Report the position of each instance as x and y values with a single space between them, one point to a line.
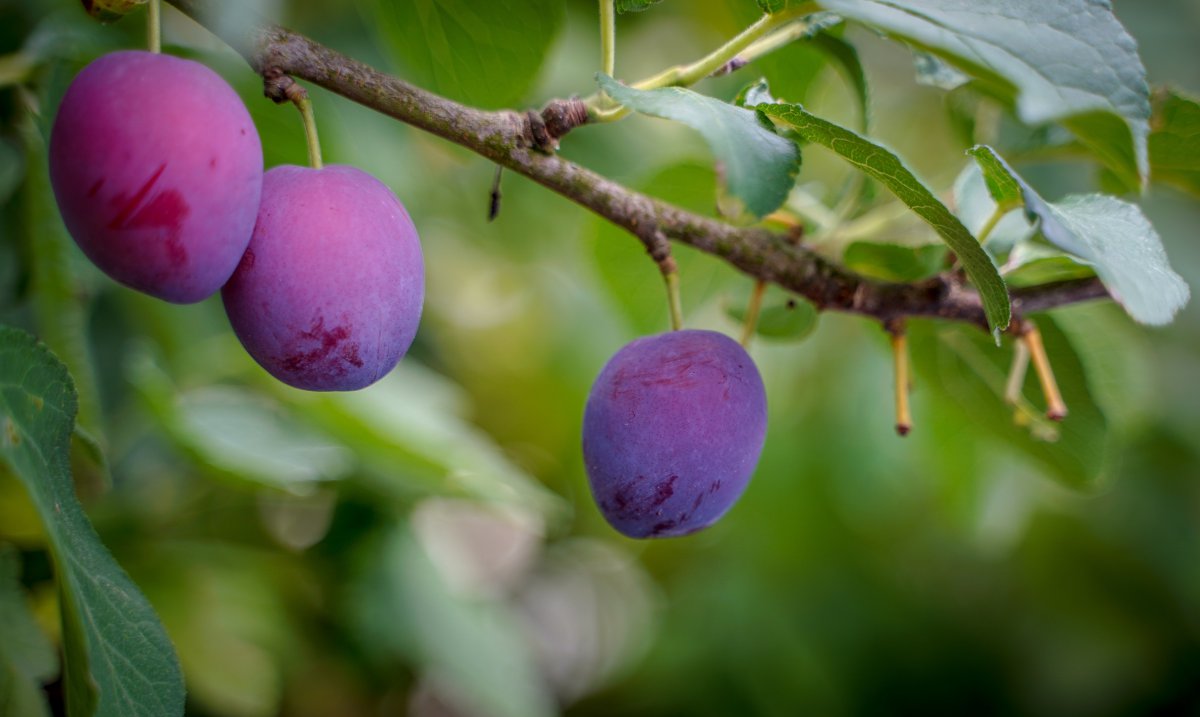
986 230
900 364
154 26
672 279
299 97
1056 409
1016 374
608 37
750 321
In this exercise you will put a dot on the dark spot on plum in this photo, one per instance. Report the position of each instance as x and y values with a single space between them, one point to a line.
677 371
247 262
624 495
716 486
95 188
662 527
164 210
212 162
696 503
663 491
243 131
318 345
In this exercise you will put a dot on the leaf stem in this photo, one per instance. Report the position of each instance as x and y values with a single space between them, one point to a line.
986 230
608 37
903 377
750 321
690 74
1056 409
154 26
1016 374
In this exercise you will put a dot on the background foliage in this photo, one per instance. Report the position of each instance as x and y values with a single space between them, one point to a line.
429 544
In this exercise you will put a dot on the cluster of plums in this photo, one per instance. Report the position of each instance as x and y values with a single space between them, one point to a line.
158 172
157 169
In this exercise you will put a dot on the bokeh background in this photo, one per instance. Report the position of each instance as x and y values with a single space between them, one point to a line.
428 546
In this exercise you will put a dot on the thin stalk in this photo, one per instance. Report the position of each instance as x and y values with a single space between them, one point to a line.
608 37
302 101
599 109
1056 409
1016 374
673 301
154 26
986 230
750 321
901 366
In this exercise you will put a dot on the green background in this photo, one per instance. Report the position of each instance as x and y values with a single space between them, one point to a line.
430 544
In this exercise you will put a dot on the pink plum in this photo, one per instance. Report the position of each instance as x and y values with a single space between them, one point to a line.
329 293
157 169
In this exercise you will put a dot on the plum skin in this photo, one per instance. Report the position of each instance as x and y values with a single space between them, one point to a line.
329 293
157 169
672 431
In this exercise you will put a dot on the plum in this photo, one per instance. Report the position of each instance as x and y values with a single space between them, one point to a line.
328 295
157 169
672 432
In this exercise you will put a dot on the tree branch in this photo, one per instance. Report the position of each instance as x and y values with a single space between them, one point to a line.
524 143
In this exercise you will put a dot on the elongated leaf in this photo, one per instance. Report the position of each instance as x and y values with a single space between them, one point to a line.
882 165
482 53
26 656
894 262
1109 234
760 166
119 660
1175 141
624 6
1068 61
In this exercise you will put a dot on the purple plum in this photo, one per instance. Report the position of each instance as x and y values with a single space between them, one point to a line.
672 432
328 295
157 169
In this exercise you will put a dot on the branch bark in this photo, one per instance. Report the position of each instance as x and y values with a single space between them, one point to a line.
524 143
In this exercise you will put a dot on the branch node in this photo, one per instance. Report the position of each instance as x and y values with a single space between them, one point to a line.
278 86
734 64
562 116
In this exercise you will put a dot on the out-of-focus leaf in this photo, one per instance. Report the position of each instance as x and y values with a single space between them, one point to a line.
760 166
119 660
845 59
782 316
27 658
774 6
894 262
935 72
1069 61
882 165
1175 141
473 647
624 6
958 365
482 53
1107 233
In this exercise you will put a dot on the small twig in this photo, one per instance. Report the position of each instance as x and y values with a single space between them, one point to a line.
1056 409
608 37
750 320
895 327
154 26
1016 374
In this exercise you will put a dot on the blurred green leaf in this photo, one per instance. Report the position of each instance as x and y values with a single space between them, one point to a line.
27 659
634 5
895 262
774 6
760 166
1069 61
1175 140
484 53
782 317
119 660
1107 233
846 61
882 165
932 71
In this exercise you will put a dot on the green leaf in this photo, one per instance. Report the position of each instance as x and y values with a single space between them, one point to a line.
885 167
1068 61
894 262
1109 234
773 6
27 659
119 660
483 53
624 6
760 166
782 317
1175 141
847 62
